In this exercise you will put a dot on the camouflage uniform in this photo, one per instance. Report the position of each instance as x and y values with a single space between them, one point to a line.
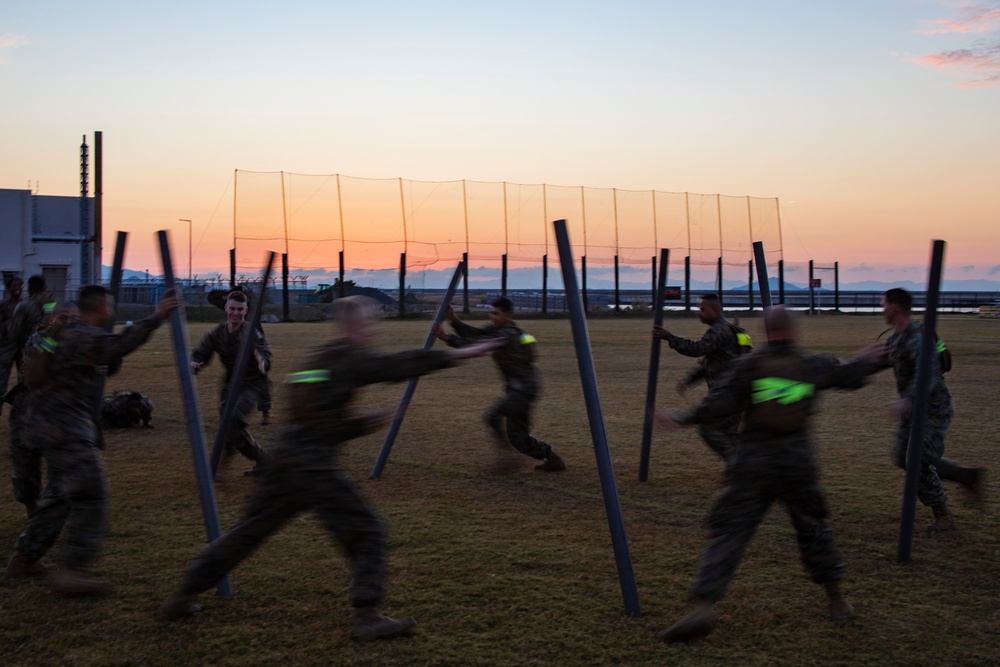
904 351
306 475
227 346
516 361
775 389
60 422
125 409
218 299
10 351
716 348
25 459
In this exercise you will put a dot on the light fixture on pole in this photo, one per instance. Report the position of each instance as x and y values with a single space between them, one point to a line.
190 253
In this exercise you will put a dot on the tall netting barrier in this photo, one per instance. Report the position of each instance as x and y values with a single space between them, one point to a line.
372 223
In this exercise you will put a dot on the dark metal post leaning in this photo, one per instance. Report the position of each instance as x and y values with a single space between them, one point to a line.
209 510
609 489
115 289
918 420
654 367
762 280
243 358
411 386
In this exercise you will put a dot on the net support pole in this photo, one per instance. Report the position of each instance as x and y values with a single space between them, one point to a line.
503 275
232 269
750 285
812 289
762 279
545 283
243 358
342 289
687 283
718 273
196 434
918 410
583 284
285 316
609 489
411 385
402 284
618 298
654 367
781 281
114 286
465 283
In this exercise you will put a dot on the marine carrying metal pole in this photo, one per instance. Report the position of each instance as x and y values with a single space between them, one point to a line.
197 436
235 384
654 367
609 489
411 385
918 409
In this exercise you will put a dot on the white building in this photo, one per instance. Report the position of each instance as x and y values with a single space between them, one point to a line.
40 234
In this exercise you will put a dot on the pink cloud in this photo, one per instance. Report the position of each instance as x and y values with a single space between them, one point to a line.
981 59
12 41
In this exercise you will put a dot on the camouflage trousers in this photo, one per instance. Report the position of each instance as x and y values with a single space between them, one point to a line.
284 493
25 459
239 438
721 437
515 408
930 490
76 497
751 488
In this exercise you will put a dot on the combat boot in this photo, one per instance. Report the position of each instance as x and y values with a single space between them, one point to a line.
553 463
370 624
261 466
20 565
943 521
839 609
699 622
73 582
179 605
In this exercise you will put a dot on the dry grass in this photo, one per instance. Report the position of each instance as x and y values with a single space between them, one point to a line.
518 569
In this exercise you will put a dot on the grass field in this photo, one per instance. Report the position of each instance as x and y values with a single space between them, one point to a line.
518 569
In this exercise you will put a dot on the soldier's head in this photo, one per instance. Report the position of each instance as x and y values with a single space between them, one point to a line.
14 286
236 309
63 313
781 324
501 312
709 309
355 315
36 285
896 305
96 304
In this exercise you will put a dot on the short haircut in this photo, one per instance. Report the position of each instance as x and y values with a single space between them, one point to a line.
352 308
897 296
92 297
10 281
237 296
504 304
712 300
36 284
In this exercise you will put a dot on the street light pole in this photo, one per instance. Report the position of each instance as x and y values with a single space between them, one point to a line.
190 252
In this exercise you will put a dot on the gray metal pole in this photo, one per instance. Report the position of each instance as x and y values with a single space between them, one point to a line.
918 410
654 367
197 436
609 489
411 385
762 280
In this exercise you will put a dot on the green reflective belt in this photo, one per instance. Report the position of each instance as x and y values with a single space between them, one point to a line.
303 377
49 307
47 345
781 390
940 345
743 339
527 339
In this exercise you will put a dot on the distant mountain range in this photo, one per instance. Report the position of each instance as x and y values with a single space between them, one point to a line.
602 278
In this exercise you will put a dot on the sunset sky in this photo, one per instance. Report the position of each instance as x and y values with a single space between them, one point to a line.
875 124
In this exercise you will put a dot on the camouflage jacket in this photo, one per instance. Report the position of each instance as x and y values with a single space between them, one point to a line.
63 409
516 359
28 316
903 355
227 346
716 348
8 333
321 397
776 404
